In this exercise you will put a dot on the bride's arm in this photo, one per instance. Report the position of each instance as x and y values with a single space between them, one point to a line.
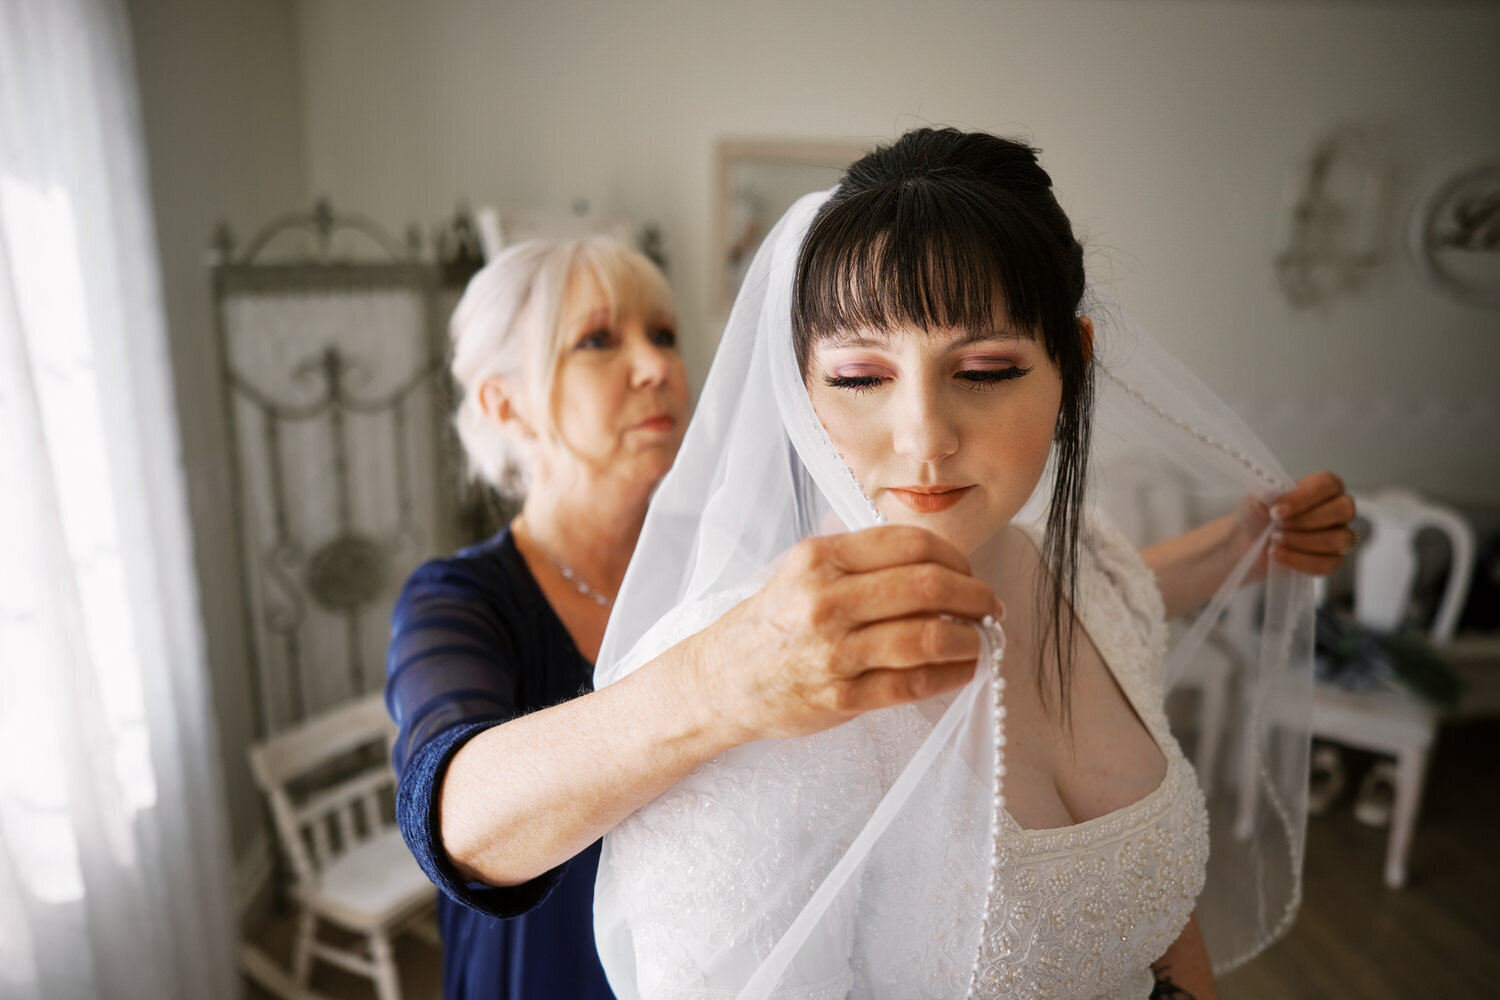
1313 536
1184 973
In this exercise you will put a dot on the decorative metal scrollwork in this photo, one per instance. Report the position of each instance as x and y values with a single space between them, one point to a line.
339 443
349 572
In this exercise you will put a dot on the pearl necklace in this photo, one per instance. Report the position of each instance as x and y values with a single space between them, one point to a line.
569 574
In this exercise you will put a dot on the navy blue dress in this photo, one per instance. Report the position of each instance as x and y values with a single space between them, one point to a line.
474 643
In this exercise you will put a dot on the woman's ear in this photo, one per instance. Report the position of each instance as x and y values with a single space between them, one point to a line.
500 407
1086 331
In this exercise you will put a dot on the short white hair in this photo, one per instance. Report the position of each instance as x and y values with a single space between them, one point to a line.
489 340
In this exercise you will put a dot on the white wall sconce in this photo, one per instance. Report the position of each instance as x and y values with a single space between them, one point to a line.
1328 234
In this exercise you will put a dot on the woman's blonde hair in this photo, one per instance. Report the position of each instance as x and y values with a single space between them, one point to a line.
490 338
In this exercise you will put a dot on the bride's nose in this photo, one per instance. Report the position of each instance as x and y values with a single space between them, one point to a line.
923 431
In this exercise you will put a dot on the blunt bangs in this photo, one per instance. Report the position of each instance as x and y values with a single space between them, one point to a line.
930 253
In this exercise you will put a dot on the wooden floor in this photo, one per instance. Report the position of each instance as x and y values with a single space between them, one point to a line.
1437 939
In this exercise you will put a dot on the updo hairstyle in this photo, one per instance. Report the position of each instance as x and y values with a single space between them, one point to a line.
494 334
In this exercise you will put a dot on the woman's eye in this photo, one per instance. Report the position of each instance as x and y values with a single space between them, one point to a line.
595 340
984 378
664 337
855 383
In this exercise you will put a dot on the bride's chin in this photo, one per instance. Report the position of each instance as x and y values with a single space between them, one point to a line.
961 532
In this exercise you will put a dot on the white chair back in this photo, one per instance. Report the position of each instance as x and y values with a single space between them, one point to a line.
319 825
1385 565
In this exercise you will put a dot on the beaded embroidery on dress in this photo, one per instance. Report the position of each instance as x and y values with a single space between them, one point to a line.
1078 912
1082 911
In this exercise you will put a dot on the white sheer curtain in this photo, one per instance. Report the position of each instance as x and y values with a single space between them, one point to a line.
114 863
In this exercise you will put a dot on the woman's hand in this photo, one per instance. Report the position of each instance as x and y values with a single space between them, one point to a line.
1312 535
1312 532
848 623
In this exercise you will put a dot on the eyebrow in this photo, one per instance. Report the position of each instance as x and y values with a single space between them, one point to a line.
592 318
882 338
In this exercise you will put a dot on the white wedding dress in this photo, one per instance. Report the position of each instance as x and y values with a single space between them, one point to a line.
1077 912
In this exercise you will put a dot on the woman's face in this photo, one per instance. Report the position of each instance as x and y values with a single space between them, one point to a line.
622 395
946 429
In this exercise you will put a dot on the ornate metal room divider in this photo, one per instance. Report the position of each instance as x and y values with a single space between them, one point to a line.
345 469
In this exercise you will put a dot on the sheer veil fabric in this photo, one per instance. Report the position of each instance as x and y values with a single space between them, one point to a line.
857 862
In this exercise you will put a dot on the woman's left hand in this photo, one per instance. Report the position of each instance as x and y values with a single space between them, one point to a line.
1312 532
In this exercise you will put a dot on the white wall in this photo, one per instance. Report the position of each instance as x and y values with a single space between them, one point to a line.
1166 125
221 100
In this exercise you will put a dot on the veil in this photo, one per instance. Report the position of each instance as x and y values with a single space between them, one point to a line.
856 862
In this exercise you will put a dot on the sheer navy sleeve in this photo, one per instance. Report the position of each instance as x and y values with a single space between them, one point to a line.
473 644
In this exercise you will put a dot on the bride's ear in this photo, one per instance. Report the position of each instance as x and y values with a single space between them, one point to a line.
498 402
1086 331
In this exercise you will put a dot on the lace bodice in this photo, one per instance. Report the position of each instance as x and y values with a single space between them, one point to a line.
1077 912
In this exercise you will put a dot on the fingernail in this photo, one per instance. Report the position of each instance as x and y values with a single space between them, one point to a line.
1281 512
999 612
1277 537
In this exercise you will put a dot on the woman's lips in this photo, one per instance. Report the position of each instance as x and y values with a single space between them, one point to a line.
930 499
660 422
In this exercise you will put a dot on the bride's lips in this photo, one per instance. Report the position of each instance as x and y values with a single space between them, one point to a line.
660 422
929 499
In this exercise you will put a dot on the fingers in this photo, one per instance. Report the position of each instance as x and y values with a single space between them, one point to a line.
1316 552
1310 491
1312 530
885 546
883 687
905 591
1313 565
911 642
1334 513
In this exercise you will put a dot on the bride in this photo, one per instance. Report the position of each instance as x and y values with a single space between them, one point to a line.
918 350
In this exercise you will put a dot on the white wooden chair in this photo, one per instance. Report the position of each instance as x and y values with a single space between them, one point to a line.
350 865
1395 722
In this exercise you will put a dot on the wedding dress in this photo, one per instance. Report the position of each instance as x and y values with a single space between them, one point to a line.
877 859
1080 911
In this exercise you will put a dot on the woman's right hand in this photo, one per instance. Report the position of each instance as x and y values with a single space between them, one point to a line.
848 623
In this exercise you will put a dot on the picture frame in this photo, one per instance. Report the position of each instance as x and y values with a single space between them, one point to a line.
757 181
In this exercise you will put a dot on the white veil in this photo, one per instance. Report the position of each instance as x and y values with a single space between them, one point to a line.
805 858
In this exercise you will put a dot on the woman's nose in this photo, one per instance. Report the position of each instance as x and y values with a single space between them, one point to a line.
650 364
923 432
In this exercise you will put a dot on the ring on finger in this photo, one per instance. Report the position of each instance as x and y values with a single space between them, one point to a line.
1352 544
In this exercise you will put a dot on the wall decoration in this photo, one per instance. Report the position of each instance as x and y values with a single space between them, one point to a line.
758 180
345 474
1331 209
1455 235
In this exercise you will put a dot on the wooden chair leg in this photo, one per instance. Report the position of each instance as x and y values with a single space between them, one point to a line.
387 982
1247 763
1411 773
302 955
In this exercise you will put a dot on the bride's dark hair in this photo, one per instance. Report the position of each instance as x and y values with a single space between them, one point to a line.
930 232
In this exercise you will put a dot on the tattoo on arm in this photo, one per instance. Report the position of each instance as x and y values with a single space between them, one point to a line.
1165 989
